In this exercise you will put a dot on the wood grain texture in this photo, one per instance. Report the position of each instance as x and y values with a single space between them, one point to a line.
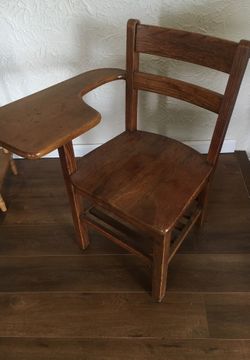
50 239
201 273
210 273
132 65
182 90
51 231
55 292
160 267
186 46
89 274
4 165
146 179
149 180
113 349
34 126
69 166
50 209
38 240
155 196
106 297
102 315
228 315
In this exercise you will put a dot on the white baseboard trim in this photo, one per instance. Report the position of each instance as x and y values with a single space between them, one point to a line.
201 146
229 146
79 150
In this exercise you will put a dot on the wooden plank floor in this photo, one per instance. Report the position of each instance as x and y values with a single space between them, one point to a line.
57 302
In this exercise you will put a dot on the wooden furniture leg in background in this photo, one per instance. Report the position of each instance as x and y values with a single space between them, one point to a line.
12 162
68 164
5 161
2 204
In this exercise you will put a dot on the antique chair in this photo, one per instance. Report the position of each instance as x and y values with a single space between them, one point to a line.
144 191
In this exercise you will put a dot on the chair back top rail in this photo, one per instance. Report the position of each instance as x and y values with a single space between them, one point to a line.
186 46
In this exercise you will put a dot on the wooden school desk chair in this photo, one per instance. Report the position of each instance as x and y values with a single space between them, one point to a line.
145 191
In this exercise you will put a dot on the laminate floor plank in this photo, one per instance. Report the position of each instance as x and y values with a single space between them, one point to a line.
227 225
114 349
102 315
38 210
217 240
125 273
228 315
50 239
209 273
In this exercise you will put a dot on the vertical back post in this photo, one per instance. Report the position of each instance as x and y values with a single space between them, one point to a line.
132 65
232 89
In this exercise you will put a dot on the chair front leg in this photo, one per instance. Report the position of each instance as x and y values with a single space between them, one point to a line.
160 266
68 164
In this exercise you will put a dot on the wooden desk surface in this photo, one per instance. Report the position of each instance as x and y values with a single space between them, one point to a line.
37 124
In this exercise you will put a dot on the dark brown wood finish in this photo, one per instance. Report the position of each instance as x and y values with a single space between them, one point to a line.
158 166
42 122
99 270
161 252
4 165
113 349
6 162
186 46
132 65
122 234
59 303
147 181
103 315
182 90
69 166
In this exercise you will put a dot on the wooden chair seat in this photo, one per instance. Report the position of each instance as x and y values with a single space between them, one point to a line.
145 178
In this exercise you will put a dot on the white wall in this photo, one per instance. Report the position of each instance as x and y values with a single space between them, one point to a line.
43 42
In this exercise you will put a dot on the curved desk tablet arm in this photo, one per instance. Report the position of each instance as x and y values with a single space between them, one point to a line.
40 123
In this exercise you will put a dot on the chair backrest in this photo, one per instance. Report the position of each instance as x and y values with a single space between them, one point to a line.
223 55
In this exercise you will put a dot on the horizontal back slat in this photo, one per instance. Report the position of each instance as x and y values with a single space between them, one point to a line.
186 46
193 94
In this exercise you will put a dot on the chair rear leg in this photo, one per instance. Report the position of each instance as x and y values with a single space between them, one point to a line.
68 164
160 267
203 198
